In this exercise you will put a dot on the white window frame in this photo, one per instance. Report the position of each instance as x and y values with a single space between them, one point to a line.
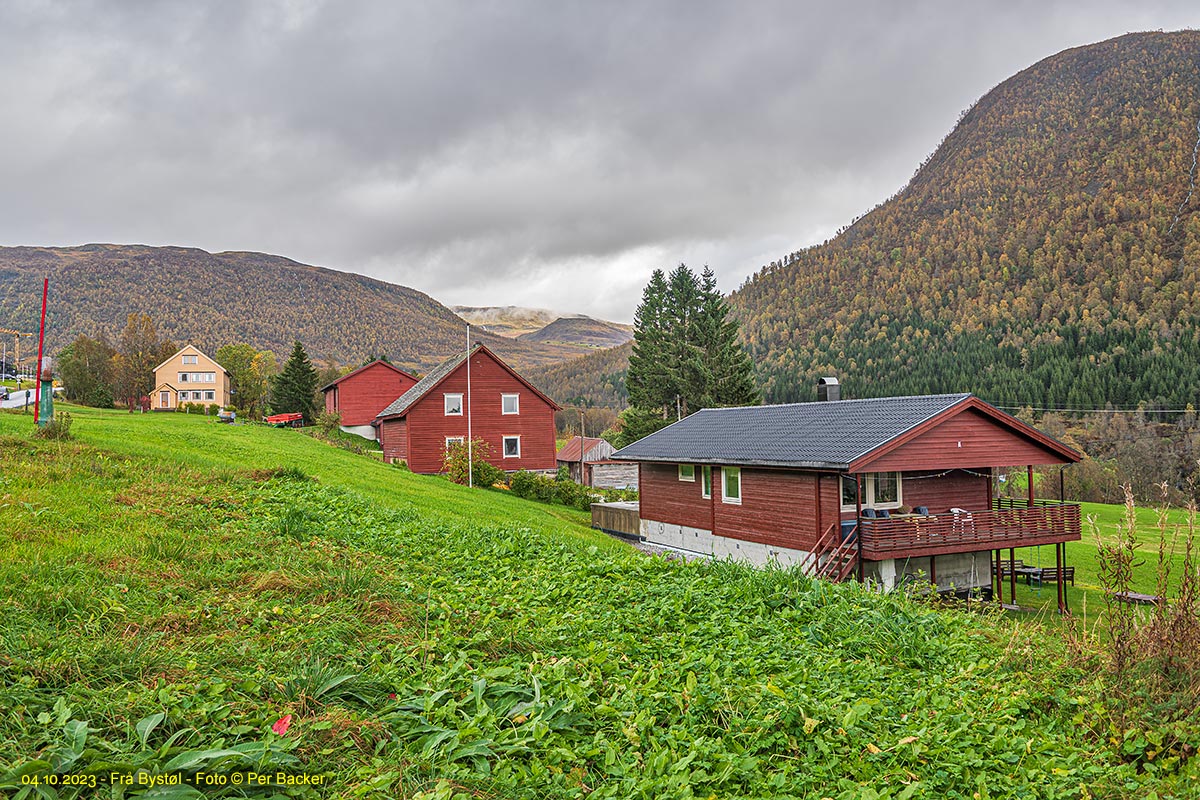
504 446
725 473
688 477
183 377
706 482
516 398
209 395
868 492
190 360
454 440
182 398
164 399
446 404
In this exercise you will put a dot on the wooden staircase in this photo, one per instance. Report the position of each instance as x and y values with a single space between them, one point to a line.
834 558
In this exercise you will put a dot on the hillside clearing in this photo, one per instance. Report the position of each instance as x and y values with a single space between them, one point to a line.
417 632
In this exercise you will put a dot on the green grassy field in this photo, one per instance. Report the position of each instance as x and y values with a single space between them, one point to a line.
172 589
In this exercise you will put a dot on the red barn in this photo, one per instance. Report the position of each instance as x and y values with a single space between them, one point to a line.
360 395
505 410
886 489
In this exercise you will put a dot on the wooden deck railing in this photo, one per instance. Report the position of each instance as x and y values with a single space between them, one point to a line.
937 534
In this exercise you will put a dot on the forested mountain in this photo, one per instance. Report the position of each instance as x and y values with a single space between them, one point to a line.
213 299
1045 254
597 379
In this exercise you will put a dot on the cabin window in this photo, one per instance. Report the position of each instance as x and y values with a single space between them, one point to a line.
510 404
512 446
453 405
189 359
687 472
450 440
849 492
706 481
731 485
880 490
887 489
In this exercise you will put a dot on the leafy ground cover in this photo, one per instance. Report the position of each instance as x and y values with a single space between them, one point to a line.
178 596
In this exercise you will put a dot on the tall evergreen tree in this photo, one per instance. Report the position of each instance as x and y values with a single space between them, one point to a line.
648 380
723 369
686 350
294 389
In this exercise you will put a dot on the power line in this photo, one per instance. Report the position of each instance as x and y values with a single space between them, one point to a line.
1101 410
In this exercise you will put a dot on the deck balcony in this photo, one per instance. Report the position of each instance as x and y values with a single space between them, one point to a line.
1008 524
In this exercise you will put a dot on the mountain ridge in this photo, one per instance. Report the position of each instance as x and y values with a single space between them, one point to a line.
212 299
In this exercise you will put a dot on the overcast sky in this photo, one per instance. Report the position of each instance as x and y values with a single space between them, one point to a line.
530 153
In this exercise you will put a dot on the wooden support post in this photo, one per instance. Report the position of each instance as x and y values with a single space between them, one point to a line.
1059 582
858 531
1012 575
1029 473
999 580
933 572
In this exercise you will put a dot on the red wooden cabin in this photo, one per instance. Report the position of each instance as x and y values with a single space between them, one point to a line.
807 483
360 395
503 409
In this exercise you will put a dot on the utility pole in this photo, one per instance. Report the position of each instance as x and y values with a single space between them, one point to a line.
582 448
17 337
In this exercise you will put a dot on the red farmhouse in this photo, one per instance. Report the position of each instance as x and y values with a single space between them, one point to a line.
886 489
503 409
360 395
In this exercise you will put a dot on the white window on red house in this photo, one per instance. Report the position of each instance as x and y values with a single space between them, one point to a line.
512 446
706 481
687 472
731 485
510 404
450 440
879 490
454 405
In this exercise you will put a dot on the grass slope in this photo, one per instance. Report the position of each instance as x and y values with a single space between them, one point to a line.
430 640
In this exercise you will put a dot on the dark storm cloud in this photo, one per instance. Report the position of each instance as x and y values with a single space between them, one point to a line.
496 153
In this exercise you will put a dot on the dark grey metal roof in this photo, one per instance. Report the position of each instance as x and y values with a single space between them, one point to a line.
405 401
822 435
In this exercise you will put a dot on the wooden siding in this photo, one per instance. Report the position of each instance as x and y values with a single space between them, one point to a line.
428 425
969 439
613 475
956 490
665 498
393 438
617 518
778 508
362 395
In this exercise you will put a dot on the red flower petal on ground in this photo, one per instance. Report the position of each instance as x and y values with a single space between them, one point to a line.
281 724
392 696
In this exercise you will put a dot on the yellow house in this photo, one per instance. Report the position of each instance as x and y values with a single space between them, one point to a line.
189 376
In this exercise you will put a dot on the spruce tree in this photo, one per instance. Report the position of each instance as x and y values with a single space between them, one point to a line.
648 380
721 361
294 389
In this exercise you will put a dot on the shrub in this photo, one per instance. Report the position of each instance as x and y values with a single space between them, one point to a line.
483 473
329 422
57 429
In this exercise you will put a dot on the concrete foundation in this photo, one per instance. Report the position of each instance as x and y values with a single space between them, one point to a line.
953 571
365 431
704 542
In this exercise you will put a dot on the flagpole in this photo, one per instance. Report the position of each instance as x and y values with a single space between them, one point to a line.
37 376
470 453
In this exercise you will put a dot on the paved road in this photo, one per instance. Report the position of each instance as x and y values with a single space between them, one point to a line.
17 399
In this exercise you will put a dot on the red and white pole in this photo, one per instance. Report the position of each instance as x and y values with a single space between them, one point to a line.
37 372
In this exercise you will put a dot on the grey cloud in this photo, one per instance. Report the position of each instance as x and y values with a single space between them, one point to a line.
545 154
